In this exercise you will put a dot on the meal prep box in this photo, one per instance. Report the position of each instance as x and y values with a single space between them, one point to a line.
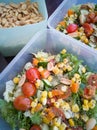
13 39
49 41
61 11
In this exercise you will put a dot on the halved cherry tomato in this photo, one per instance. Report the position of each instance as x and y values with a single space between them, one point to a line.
32 74
72 28
35 127
88 29
22 103
92 80
29 89
89 92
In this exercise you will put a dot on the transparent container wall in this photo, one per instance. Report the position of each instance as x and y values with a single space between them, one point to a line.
13 39
60 12
49 41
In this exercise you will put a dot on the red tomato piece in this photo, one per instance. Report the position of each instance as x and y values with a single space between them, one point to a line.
92 80
88 29
22 103
72 28
89 92
29 89
32 74
35 127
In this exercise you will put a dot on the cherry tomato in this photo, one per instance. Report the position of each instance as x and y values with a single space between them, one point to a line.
29 89
22 103
35 127
32 74
88 29
89 92
72 28
92 80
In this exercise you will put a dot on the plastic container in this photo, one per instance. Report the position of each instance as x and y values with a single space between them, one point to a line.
13 39
50 41
61 11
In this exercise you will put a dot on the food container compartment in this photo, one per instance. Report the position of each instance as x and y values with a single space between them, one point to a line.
13 39
50 41
61 11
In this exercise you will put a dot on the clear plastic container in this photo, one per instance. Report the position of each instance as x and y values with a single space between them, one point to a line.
61 11
50 41
13 39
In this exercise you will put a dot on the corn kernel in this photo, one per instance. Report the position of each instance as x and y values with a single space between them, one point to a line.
86 102
62 126
85 118
71 122
57 122
56 70
16 80
37 84
56 104
40 69
69 68
50 94
73 79
92 104
85 107
44 94
76 115
50 78
32 110
66 106
83 38
75 108
86 41
46 120
60 65
83 69
77 76
43 100
65 61
63 51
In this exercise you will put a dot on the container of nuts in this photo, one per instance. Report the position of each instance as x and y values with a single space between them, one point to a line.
19 21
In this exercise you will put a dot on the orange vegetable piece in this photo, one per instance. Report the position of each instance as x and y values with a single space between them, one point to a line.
95 128
74 87
62 23
45 74
35 61
57 92
38 107
70 12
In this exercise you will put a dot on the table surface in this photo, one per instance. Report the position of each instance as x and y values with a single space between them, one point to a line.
51 6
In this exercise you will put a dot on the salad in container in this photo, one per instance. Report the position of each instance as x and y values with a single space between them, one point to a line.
80 22
52 92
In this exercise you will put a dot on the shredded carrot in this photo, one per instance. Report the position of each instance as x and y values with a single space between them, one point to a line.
62 23
45 73
35 61
74 87
70 12
57 92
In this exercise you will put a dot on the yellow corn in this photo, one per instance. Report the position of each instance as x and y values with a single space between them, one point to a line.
56 104
62 126
50 94
65 60
56 70
76 115
60 65
37 84
83 69
16 80
75 108
63 51
71 122
69 68
85 107
44 94
46 120
77 76
85 118
50 78
86 102
92 104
